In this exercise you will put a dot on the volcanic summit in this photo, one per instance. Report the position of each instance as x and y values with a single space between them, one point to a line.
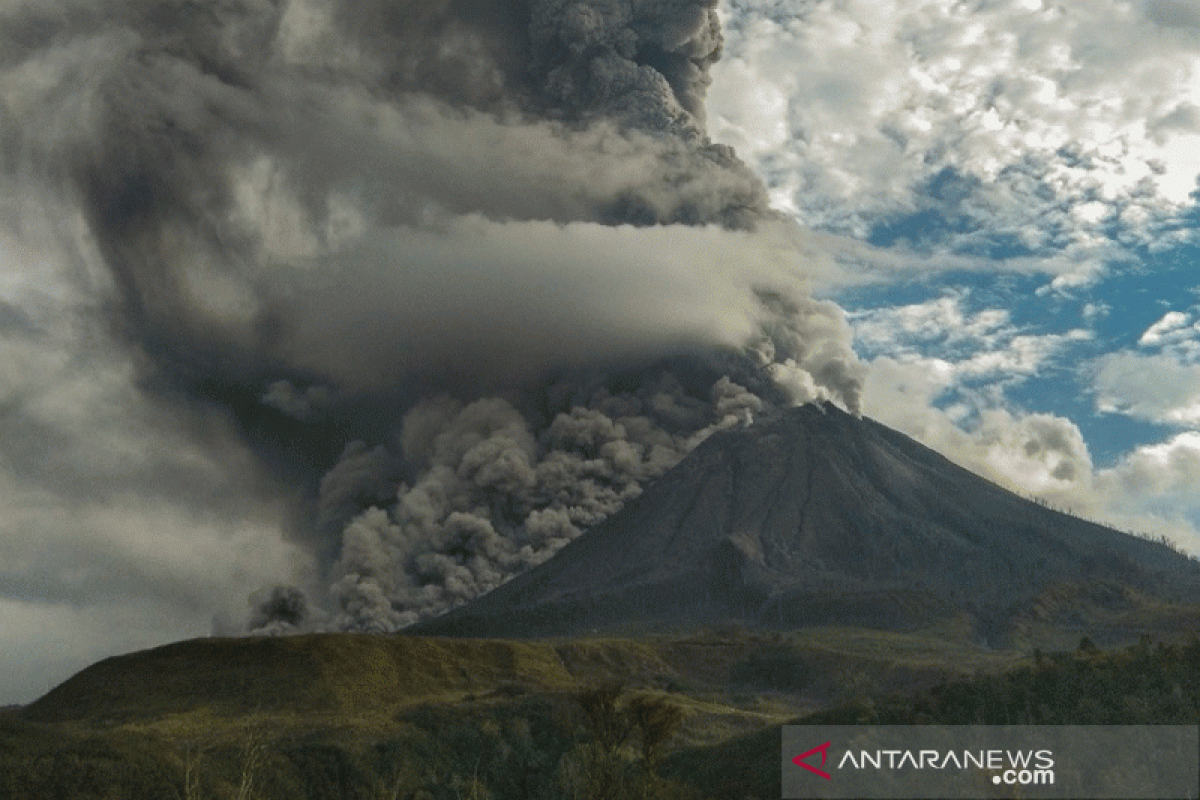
813 516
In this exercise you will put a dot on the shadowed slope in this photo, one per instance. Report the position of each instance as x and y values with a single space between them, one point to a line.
814 516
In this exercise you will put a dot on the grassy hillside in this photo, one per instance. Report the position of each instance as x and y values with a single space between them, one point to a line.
374 676
334 675
355 716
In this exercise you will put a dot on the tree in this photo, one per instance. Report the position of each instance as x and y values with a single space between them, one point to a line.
657 719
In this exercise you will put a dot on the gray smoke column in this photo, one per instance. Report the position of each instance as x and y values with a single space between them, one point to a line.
483 251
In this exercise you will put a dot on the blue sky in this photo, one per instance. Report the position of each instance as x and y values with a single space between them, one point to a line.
1009 188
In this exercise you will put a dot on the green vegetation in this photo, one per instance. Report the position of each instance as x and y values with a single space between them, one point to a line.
600 743
1146 683
395 718
776 666
1139 685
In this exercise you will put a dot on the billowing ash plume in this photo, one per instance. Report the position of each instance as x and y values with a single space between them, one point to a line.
491 498
470 270
280 609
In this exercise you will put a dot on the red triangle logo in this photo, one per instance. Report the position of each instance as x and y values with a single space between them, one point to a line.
823 749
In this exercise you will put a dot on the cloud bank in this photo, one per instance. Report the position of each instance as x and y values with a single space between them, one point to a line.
948 375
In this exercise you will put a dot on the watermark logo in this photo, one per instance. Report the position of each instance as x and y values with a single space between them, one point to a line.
1024 777
823 749
903 762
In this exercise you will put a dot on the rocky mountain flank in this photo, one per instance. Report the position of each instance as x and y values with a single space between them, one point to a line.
809 517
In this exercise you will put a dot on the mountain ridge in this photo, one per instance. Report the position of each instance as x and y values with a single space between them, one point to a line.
813 516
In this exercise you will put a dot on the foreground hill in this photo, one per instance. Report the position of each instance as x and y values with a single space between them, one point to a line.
371 717
811 517
216 682
207 680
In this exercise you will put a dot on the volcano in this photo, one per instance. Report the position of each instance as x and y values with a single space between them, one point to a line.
812 516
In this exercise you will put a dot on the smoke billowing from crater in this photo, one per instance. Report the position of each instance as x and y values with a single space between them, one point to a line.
483 250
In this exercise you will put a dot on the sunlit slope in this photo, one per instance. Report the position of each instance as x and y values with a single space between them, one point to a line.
321 673
359 678
809 517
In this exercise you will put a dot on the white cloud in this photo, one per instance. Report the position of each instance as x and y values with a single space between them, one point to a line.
1074 277
1166 469
1157 388
941 319
1150 491
970 344
1036 137
493 298
1030 123
1153 489
1021 355
1038 454
1170 327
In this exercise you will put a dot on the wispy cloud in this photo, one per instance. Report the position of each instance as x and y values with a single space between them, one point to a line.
1174 326
973 344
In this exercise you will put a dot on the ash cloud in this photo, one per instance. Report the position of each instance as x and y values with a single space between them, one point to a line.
470 272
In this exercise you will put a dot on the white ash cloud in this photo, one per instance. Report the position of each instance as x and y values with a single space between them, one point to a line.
299 403
126 520
467 274
490 301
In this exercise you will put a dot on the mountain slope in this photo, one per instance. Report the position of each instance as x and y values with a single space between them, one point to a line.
813 516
